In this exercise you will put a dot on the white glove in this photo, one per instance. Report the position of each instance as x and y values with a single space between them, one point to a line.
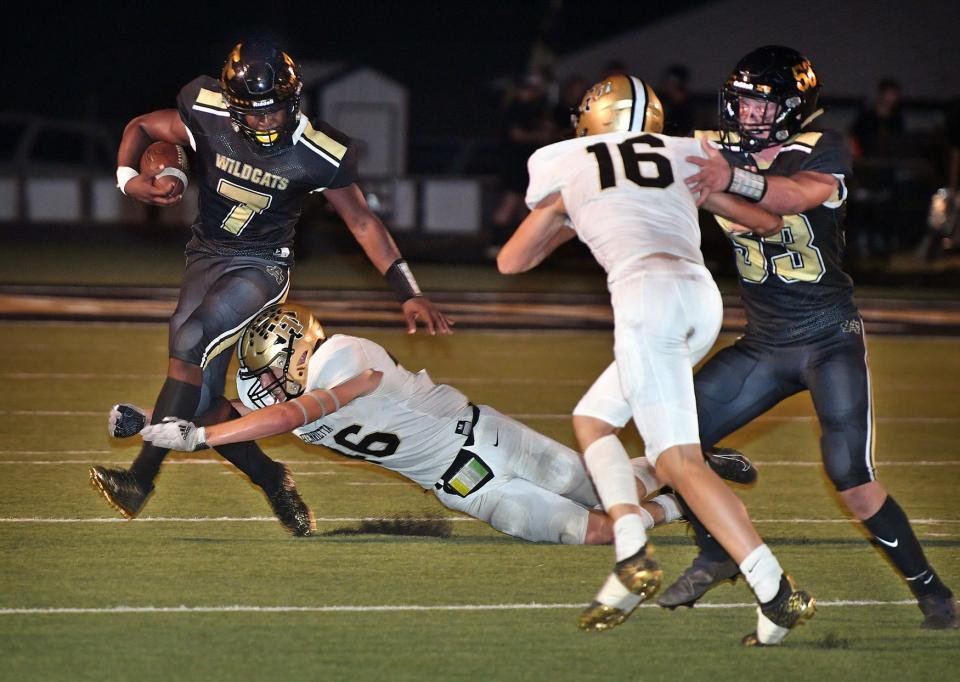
176 434
125 420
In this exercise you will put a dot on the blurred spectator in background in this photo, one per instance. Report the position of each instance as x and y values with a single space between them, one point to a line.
876 138
525 127
944 216
614 67
571 92
876 127
678 112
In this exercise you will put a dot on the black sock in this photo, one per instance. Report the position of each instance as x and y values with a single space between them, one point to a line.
709 547
176 399
249 458
892 533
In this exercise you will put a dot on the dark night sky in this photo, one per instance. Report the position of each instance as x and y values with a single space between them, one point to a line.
116 60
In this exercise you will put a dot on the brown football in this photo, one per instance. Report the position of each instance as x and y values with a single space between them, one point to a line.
167 156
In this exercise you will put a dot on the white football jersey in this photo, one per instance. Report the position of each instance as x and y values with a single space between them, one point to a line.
408 424
625 195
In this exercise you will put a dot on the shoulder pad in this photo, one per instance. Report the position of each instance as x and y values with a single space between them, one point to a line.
325 141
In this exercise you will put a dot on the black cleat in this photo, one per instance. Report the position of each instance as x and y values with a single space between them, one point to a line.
939 612
702 576
121 489
731 465
290 508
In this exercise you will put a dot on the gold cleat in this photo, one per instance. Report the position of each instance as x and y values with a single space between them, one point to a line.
639 574
777 618
599 617
120 489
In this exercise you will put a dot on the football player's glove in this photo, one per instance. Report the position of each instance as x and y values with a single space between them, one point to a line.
176 434
125 420
782 78
259 78
619 104
275 349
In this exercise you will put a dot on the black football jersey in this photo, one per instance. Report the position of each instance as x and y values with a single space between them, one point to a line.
792 284
251 197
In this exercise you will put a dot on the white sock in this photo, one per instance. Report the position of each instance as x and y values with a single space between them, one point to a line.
671 508
763 573
629 535
644 473
614 593
609 466
647 518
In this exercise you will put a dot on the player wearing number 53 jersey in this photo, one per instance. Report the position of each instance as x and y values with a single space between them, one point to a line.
803 330
258 157
619 187
349 394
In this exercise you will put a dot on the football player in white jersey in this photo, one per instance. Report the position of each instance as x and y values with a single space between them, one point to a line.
618 186
351 395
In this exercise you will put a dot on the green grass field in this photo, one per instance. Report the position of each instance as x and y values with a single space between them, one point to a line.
208 586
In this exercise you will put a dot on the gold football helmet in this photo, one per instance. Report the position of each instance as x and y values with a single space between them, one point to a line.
278 343
619 103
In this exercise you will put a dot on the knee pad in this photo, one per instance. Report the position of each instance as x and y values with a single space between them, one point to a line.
847 458
187 342
511 518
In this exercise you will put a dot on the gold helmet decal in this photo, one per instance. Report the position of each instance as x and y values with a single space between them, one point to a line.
619 104
275 348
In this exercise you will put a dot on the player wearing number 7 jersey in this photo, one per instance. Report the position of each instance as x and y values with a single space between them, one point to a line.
258 157
619 187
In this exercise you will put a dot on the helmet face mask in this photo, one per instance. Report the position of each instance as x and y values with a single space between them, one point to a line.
259 79
618 104
770 97
275 349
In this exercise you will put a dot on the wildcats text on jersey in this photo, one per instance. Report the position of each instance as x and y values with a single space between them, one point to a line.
316 435
245 171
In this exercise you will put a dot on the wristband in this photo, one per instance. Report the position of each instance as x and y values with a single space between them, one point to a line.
750 186
401 280
201 438
124 175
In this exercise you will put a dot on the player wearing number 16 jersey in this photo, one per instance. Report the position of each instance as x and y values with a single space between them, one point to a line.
619 187
258 157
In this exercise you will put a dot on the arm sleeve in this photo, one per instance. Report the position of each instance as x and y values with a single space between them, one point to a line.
348 172
186 98
830 155
544 180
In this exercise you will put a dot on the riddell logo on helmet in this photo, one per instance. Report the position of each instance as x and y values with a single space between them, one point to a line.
263 103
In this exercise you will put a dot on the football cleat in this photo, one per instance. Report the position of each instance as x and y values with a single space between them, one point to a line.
125 420
640 575
939 612
290 508
121 489
776 618
702 576
731 465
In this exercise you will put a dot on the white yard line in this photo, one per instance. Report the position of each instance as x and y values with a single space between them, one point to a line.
381 608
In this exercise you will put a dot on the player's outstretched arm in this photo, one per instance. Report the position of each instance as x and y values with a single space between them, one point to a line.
164 125
540 233
376 242
783 195
274 420
743 213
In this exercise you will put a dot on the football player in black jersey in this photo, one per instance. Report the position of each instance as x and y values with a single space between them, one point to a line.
258 157
803 329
